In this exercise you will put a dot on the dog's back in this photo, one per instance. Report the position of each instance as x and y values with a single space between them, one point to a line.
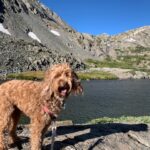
21 93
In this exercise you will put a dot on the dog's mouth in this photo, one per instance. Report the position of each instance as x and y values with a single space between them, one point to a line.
63 90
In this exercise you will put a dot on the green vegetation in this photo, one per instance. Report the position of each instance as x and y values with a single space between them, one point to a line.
38 75
124 62
123 119
109 63
139 49
97 75
30 75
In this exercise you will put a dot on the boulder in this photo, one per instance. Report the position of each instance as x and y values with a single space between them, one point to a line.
111 136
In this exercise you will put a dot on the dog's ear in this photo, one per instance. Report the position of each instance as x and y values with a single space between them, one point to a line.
76 84
47 75
46 93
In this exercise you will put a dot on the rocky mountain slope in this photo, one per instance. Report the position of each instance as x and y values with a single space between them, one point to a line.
105 45
19 55
131 47
29 21
33 37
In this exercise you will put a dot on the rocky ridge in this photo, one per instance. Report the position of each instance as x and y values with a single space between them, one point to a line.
105 45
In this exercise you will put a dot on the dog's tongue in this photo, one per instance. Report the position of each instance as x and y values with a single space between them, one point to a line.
63 92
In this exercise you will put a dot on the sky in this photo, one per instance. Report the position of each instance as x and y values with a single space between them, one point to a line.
102 16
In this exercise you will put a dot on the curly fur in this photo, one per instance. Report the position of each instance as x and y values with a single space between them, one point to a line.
30 97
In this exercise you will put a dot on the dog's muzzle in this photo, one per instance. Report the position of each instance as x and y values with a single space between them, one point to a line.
63 90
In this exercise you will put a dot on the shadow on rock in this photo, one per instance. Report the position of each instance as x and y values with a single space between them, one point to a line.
72 135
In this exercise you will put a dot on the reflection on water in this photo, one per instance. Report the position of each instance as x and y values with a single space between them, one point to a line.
110 98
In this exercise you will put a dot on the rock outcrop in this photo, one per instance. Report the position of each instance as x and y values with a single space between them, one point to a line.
112 136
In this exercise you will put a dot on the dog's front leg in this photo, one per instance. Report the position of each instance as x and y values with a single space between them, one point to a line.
36 134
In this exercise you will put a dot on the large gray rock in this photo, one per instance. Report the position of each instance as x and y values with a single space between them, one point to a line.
113 136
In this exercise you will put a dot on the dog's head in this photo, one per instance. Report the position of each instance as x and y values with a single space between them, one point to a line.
63 80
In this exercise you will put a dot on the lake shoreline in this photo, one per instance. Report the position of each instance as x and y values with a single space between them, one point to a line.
88 74
122 119
118 73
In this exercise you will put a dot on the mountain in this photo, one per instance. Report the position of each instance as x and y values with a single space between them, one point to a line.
131 48
106 45
32 37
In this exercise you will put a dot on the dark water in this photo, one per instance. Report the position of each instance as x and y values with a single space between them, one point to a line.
110 98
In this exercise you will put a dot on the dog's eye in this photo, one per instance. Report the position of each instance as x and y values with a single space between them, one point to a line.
57 75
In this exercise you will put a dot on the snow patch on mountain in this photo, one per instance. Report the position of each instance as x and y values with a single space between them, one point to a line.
33 36
2 29
55 32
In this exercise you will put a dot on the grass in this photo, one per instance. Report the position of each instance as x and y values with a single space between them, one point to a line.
124 62
30 75
38 75
122 119
140 49
97 75
109 63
